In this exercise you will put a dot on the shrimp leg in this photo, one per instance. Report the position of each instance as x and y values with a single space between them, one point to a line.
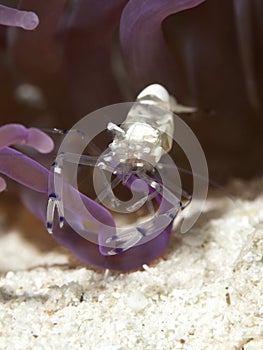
126 238
55 197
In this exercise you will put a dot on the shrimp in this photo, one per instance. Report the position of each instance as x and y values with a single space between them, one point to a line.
134 157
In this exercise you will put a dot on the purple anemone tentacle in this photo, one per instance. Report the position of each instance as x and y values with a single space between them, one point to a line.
89 39
144 48
17 18
132 259
78 234
23 170
89 252
35 177
17 134
164 207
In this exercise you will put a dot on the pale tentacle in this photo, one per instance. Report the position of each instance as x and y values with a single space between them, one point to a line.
17 18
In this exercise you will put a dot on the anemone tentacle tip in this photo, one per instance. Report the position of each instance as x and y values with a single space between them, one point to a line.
30 20
13 17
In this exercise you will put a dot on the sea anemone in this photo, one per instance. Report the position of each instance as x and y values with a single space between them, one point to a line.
73 60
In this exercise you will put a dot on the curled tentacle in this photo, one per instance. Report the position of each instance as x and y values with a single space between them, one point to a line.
142 40
17 133
17 18
90 253
35 177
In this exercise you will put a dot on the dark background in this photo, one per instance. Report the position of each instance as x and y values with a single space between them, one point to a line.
217 67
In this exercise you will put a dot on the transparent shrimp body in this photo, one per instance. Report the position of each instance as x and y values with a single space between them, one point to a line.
147 132
133 157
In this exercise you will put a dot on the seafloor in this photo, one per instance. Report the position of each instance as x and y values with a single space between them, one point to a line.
206 292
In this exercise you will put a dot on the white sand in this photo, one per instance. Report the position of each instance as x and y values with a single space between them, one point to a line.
206 292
